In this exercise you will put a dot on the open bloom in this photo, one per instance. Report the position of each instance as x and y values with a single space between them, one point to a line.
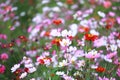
100 42
57 21
63 63
92 54
100 69
15 67
107 4
23 75
2 69
91 37
65 42
4 56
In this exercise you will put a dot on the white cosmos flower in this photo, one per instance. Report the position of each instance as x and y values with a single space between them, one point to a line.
15 67
55 32
71 49
23 75
106 59
94 66
32 79
37 19
56 9
101 14
63 63
32 69
84 23
118 43
66 33
29 65
65 42
94 32
60 73
74 29
113 47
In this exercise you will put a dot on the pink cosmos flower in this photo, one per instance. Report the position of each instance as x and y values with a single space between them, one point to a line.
100 42
3 36
107 4
104 78
118 72
92 54
2 69
118 20
4 56
111 55
29 29
66 77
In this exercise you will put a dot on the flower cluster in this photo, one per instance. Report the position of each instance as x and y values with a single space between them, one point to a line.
70 40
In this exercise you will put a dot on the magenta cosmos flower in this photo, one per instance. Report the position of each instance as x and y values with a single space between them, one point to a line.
4 56
2 69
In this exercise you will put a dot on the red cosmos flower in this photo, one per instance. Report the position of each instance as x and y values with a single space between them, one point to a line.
118 36
57 21
18 71
8 8
69 1
26 69
90 37
110 23
100 69
56 41
4 45
11 44
41 61
23 38
47 33
92 2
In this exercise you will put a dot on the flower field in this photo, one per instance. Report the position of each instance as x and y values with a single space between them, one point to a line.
59 39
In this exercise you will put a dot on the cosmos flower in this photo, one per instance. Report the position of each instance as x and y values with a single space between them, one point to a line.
23 75
92 54
65 42
4 56
91 37
15 67
2 69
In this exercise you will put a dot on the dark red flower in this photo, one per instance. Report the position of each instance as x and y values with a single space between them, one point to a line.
11 44
18 71
26 69
41 61
4 45
23 38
